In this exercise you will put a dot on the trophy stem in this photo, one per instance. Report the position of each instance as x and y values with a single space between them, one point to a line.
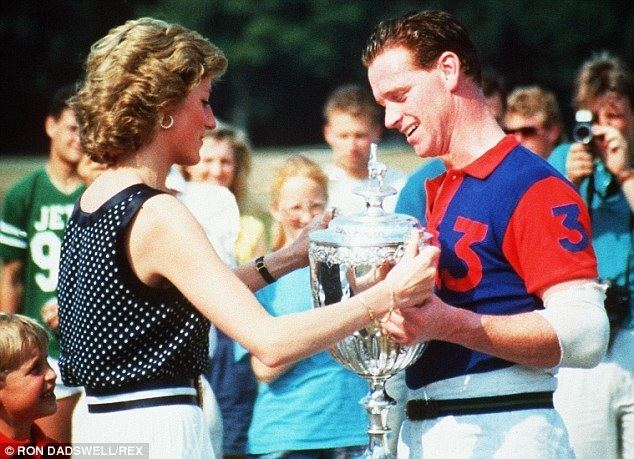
377 404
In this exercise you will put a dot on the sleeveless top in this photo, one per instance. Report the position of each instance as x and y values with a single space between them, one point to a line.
116 331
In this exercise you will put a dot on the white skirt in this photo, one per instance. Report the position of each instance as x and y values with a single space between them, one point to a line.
174 431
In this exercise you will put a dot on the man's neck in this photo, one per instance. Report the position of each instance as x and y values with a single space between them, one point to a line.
478 134
63 175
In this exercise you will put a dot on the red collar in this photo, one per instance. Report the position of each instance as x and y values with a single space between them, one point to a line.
487 163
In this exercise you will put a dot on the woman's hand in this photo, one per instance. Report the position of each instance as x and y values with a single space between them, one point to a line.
412 279
299 247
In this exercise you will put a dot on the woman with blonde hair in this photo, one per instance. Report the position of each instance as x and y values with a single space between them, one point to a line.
139 281
225 160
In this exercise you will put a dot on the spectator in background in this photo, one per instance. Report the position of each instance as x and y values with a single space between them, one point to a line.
225 162
598 404
412 198
27 385
214 206
207 193
310 408
532 115
34 216
352 123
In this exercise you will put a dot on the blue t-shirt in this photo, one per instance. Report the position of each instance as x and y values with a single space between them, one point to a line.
611 226
315 404
412 200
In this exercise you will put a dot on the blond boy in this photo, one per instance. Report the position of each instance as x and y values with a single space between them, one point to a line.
26 387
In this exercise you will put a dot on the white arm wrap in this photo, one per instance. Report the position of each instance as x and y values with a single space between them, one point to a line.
578 316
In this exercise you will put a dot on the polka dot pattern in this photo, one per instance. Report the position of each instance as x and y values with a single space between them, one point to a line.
114 330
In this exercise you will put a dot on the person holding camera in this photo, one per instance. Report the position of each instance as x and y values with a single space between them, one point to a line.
597 404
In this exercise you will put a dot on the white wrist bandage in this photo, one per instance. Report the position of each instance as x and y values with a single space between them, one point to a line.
578 316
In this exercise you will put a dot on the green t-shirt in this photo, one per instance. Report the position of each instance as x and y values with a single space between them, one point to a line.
32 223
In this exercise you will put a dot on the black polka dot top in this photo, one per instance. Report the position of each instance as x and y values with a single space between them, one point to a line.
116 331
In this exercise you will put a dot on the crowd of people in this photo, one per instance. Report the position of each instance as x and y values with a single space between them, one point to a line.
141 303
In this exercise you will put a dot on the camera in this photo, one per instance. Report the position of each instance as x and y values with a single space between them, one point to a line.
617 306
582 132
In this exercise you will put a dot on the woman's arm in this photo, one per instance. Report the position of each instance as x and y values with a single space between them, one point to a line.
166 243
284 260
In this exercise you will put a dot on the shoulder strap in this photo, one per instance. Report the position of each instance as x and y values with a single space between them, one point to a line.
137 195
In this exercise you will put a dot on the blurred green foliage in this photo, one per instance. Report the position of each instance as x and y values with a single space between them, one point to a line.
287 55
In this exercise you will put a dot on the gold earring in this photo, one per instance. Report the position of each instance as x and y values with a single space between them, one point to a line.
168 125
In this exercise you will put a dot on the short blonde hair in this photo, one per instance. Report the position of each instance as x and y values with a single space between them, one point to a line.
19 335
532 101
139 69
294 166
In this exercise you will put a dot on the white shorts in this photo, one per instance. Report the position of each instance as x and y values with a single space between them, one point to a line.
61 390
511 434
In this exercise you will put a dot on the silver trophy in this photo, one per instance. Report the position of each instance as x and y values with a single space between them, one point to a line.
345 259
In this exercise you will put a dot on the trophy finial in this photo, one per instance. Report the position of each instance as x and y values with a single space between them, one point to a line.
376 169
375 190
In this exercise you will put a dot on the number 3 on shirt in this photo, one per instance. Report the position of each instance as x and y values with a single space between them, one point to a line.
472 233
577 239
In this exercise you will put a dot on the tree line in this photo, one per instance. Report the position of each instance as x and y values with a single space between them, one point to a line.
285 56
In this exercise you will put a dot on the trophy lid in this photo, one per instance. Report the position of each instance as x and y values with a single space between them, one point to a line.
373 226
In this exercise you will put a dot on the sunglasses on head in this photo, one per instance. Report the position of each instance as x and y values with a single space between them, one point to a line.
524 131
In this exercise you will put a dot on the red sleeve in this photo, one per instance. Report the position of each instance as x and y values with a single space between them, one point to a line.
548 239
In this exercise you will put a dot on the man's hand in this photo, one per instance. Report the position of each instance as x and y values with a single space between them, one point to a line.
50 314
579 163
612 148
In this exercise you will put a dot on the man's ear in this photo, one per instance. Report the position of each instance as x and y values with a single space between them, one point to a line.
50 126
326 132
449 65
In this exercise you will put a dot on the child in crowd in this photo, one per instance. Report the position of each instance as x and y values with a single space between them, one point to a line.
308 409
26 388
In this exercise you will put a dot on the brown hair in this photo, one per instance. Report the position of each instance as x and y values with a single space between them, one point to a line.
19 335
600 74
534 100
294 166
355 100
139 69
426 35
241 156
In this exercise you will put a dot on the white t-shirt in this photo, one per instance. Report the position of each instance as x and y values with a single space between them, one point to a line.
341 189
216 210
